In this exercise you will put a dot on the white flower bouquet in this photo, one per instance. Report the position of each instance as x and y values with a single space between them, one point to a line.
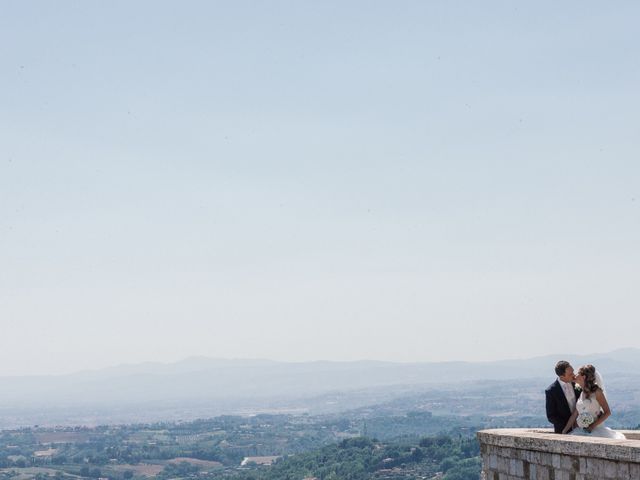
585 419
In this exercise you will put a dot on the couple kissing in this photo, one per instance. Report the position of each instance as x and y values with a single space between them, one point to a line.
576 402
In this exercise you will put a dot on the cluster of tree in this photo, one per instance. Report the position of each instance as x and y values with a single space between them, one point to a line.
413 424
90 472
225 439
362 458
178 470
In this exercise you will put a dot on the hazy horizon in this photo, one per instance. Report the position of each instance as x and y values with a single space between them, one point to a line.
566 356
415 182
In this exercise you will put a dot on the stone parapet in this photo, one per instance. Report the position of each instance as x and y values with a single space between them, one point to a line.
539 454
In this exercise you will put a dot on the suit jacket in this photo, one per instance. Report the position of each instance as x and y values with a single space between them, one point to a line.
558 411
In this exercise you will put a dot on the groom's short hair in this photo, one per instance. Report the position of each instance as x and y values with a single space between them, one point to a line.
561 367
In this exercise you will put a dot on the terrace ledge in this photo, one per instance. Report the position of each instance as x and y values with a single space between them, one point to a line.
540 454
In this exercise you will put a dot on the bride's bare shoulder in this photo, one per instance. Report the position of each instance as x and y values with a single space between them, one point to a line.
599 394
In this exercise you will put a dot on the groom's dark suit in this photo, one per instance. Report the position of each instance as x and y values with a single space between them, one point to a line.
558 411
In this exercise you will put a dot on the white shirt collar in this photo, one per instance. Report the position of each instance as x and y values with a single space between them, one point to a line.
564 384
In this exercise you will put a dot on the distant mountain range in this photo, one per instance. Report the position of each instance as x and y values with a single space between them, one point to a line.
225 386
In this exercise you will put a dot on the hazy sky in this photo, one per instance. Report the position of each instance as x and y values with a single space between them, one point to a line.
406 180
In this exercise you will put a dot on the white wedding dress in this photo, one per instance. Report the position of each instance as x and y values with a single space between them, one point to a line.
592 406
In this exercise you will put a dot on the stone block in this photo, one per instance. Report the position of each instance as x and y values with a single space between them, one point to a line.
623 470
489 449
595 467
582 465
502 464
545 459
534 457
570 463
490 475
520 454
507 452
542 473
516 468
610 469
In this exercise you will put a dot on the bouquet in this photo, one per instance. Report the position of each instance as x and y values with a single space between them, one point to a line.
585 419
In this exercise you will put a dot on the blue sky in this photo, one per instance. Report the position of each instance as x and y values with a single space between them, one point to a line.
409 181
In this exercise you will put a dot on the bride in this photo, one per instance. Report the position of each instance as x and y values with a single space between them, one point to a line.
592 408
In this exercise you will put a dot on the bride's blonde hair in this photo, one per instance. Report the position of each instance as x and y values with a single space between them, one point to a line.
589 374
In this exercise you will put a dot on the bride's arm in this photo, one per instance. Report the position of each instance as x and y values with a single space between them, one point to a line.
572 420
602 400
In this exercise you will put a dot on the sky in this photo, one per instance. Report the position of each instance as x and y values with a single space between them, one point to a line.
338 180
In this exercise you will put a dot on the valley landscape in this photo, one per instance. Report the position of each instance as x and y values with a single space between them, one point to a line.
186 420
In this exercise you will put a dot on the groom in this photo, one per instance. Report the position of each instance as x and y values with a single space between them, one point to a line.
561 396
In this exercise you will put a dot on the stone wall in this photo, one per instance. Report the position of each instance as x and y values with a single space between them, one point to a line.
526 454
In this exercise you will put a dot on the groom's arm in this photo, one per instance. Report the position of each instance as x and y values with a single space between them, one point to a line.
552 408
571 422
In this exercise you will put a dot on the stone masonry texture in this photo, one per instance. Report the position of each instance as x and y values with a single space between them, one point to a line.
540 454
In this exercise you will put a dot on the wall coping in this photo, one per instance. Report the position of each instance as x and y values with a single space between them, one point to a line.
544 440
